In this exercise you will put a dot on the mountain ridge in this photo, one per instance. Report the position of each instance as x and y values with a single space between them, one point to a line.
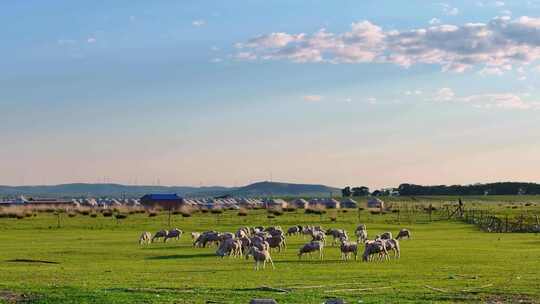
264 188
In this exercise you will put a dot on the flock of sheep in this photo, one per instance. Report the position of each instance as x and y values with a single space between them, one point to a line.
259 241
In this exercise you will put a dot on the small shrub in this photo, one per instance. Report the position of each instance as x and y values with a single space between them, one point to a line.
85 212
93 214
186 214
216 211
271 216
276 212
204 210
20 216
107 213
344 211
152 214
121 216
72 214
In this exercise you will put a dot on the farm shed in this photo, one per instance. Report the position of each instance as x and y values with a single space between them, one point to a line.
49 202
165 201
332 203
300 203
349 203
90 202
374 202
275 203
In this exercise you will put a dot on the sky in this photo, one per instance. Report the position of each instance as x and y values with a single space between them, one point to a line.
200 93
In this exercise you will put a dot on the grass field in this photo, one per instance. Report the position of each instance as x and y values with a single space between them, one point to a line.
98 260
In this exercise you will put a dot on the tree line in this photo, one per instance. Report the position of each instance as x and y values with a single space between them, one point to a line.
502 188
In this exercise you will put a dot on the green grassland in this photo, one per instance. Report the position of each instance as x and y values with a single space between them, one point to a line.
98 260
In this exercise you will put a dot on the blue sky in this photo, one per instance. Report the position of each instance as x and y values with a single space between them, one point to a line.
211 92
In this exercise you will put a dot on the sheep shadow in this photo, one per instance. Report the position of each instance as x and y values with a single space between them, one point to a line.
181 256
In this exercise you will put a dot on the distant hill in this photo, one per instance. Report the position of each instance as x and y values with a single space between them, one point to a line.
100 190
284 189
118 190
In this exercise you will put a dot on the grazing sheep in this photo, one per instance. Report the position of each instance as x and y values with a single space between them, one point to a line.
146 238
229 247
195 236
226 235
403 233
173 234
242 232
208 237
276 242
312 247
361 233
318 236
261 256
307 230
337 234
255 230
294 230
393 245
386 236
348 248
260 243
246 245
374 247
160 234
275 231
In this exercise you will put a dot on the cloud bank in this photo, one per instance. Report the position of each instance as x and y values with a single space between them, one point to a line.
487 101
498 45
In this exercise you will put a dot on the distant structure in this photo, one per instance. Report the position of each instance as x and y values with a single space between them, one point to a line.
374 202
332 204
300 203
349 203
165 201
51 202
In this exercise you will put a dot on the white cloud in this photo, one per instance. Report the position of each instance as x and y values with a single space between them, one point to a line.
198 23
498 3
500 43
449 10
444 94
216 60
371 100
490 71
312 98
435 21
415 92
488 101
91 40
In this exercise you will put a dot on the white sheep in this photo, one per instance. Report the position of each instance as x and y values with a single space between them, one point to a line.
146 238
